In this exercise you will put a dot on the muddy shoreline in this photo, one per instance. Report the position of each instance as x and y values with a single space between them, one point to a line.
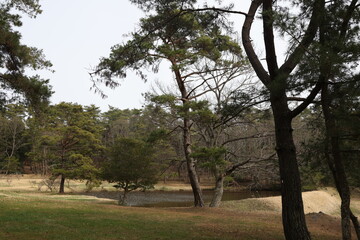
175 198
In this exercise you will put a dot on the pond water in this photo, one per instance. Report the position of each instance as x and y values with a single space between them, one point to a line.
186 199
179 198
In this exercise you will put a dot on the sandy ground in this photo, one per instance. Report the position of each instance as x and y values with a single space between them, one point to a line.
326 201
322 209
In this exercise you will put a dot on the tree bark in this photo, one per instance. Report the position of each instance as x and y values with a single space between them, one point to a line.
194 181
195 185
332 140
218 191
62 184
123 197
276 82
293 216
219 183
335 162
356 224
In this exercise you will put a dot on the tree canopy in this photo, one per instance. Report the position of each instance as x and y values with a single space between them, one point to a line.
16 58
70 138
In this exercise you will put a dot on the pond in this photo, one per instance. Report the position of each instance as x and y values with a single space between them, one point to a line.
179 198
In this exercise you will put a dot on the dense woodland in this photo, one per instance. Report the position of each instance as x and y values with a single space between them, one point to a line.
227 116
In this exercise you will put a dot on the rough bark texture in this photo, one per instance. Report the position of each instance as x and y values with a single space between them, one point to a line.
190 162
356 224
293 216
62 184
332 149
275 79
336 164
194 180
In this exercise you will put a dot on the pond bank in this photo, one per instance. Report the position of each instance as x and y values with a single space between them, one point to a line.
176 198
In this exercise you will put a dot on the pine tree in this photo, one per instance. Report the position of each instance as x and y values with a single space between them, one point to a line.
15 57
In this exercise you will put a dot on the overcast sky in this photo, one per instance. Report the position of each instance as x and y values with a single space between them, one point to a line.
74 34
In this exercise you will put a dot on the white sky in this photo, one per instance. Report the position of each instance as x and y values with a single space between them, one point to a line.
75 34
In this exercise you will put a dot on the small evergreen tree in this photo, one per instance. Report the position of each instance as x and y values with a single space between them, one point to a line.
71 137
131 166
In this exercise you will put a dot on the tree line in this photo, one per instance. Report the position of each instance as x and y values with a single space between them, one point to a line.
227 110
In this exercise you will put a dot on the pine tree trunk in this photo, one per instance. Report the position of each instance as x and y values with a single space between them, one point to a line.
344 192
218 192
335 163
292 205
276 79
195 185
198 198
345 217
346 213
62 184
355 224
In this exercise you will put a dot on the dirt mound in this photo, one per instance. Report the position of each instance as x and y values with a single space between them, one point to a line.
325 201
321 222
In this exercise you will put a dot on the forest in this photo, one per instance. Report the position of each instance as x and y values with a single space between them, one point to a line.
225 116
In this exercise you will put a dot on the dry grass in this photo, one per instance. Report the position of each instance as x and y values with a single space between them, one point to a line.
35 183
63 219
31 182
31 214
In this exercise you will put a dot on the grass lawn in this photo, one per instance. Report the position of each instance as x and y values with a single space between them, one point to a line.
27 212
47 216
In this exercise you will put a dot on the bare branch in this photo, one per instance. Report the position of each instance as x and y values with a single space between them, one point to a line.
215 10
308 100
253 58
258 135
236 166
269 37
310 33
